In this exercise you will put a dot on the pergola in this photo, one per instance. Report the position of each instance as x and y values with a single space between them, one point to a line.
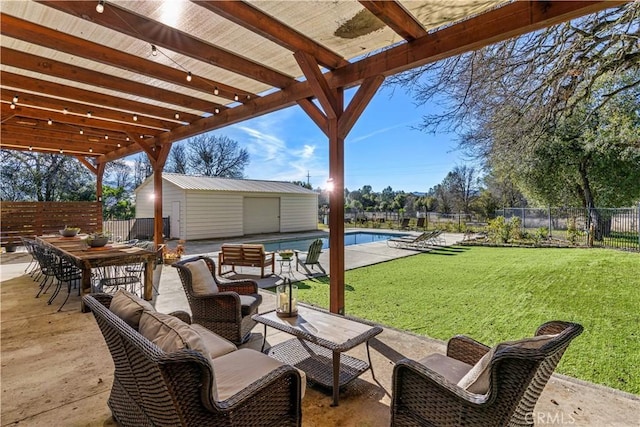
104 80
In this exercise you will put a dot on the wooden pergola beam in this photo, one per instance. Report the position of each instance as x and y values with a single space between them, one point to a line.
253 19
63 70
396 17
153 32
19 84
49 103
43 36
318 83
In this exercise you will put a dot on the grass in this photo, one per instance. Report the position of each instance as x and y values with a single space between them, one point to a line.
497 294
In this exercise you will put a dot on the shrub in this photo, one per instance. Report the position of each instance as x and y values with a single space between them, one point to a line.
499 230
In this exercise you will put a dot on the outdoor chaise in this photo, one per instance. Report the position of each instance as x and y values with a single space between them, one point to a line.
222 306
422 241
169 372
474 385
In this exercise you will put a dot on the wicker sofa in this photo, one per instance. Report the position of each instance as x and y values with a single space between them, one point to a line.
245 255
218 385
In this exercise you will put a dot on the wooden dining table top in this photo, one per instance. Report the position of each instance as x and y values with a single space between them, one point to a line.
77 247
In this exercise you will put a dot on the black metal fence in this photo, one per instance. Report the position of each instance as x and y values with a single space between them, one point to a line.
597 227
136 228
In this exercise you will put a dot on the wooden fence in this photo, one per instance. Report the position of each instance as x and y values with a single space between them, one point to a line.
27 219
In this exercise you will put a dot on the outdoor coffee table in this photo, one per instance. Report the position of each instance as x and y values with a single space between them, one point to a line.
322 337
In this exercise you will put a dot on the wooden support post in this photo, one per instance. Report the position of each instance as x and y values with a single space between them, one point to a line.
335 122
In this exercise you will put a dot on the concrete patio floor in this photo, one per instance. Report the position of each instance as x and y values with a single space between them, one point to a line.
56 369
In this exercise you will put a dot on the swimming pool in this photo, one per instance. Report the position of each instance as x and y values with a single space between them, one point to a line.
349 239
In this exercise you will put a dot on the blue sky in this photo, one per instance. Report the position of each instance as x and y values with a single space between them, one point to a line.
381 150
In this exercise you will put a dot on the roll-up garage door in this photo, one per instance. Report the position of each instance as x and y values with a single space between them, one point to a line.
261 215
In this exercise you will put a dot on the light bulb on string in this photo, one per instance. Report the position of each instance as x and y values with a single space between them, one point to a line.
15 99
49 122
216 91
135 117
189 77
154 50
100 6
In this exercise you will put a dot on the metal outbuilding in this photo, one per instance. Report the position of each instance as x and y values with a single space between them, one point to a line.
203 207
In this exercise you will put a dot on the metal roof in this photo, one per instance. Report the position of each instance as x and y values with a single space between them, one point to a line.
208 183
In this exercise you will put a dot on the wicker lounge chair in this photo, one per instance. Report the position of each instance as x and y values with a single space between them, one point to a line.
226 311
439 390
183 387
311 257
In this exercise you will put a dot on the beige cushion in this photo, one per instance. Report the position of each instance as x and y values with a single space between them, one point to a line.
170 333
129 307
236 371
216 345
478 378
201 278
452 369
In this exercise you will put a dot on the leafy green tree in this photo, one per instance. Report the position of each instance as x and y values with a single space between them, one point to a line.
44 177
116 203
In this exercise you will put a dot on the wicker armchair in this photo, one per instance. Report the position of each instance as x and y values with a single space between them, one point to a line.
423 395
227 312
183 388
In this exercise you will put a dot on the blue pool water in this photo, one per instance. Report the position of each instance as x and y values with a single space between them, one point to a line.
349 239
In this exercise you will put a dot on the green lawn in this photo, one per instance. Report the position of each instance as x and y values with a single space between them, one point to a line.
496 294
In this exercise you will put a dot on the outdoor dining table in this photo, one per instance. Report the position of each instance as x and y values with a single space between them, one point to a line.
87 258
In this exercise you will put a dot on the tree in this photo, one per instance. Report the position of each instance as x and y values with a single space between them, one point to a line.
217 156
44 177
302 184
116 203
524 103
178 160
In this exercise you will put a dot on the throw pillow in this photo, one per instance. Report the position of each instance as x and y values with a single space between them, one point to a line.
202 280
478 378
129 307
170 333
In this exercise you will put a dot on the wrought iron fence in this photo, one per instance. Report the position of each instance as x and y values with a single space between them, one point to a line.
136 228
597 227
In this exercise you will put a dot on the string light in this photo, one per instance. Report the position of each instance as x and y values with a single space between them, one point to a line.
177 116
127 138
189 76
30 148
90 150
135 117
216 91
216 111
119 145
15 99
100 6
65 111
154 50
89 114
49 122
235 97
106 137
12 106
61 151
81 132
